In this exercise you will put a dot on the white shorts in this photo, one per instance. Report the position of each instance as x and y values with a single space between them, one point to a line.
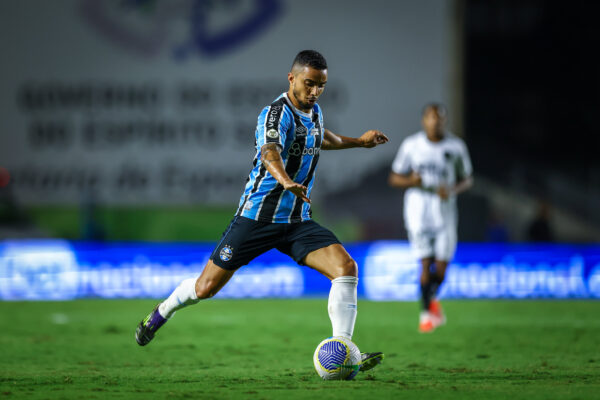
439 245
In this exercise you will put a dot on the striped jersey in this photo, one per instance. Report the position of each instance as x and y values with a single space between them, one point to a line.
300 136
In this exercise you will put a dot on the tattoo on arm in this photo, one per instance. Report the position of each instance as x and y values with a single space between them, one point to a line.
271 159
270 154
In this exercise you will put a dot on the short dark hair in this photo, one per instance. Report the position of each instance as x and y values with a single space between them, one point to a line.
310 58
442 110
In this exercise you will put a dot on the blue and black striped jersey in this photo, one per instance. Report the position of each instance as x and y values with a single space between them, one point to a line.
300 136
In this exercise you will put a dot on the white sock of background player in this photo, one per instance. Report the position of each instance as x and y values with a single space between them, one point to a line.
342 305
184 295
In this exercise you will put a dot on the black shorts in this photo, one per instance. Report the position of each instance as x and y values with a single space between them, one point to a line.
246 239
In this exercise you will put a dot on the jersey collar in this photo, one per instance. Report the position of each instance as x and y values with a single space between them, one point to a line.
297 111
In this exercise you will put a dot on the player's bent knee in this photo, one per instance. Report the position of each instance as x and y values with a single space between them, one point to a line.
347 268
206 289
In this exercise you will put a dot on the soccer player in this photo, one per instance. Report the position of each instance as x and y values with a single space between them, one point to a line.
274 210
433 165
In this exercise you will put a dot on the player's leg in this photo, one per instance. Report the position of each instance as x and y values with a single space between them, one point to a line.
310 244
190 291
437 276
426 281
335 263
426 320
445 246
242 241
435 307
422 247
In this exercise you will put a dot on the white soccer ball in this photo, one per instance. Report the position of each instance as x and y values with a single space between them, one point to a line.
337 358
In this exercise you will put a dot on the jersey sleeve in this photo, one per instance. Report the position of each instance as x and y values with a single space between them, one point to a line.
273 125
401 164
465 169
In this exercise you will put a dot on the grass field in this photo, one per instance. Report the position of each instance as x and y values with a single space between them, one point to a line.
262 349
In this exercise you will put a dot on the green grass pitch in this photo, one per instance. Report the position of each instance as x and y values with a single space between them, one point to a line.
262 349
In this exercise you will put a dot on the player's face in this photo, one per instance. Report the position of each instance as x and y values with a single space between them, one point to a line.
434 123
306 85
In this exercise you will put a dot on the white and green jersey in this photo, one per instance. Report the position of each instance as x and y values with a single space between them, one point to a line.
442 163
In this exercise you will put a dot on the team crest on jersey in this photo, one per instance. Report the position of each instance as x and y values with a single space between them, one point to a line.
272 133
226 253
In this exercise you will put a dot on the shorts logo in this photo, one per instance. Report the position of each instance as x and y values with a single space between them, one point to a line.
226 253
272 133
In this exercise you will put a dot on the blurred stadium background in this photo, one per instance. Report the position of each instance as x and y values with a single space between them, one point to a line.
127 134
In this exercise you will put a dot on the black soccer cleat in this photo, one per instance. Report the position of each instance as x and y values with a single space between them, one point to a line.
370 360
148 327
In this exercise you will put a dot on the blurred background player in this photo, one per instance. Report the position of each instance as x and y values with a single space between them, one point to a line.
274 210
433 165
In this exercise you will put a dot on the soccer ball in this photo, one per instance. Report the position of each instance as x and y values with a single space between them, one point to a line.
337 358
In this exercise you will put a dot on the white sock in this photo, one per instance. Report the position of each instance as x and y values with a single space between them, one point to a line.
183 295
342 305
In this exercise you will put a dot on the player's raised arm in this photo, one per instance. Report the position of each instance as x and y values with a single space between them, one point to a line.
271 159
371 138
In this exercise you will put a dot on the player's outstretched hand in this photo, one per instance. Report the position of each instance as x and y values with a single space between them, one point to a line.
372 138
298 189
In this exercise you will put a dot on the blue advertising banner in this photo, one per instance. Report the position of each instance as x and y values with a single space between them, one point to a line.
63 270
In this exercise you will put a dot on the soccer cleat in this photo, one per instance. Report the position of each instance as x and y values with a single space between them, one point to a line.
148 327
437 314
426 324
370 360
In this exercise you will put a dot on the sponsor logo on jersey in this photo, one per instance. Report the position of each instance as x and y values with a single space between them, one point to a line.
226 253
314 131
248 205
273 116
295 150
273 133
300 130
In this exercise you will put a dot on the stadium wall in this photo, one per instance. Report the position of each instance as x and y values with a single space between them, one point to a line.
161 106
63 270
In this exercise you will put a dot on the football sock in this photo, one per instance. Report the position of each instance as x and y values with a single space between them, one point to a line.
426 295
342 305
183 295
434 285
